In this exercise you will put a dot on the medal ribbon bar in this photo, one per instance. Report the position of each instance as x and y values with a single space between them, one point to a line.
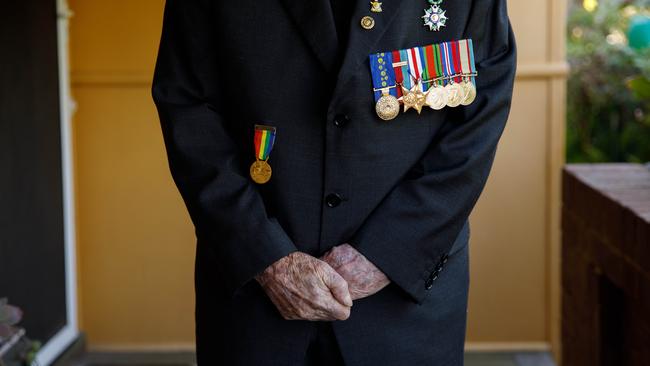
437 65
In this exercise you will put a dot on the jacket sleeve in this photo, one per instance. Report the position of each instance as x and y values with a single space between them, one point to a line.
205 160
412 230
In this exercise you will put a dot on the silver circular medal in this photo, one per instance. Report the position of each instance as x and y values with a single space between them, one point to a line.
387 107
469 92
437 97
455 94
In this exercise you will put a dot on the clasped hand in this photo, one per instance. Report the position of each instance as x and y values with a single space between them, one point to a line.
303 287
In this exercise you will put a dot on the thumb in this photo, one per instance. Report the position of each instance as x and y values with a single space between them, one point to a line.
338 287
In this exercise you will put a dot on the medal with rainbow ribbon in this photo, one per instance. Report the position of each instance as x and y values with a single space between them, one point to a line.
438 75
264 139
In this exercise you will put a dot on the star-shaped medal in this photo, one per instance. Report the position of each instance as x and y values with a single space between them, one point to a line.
413 98
434 18
375 7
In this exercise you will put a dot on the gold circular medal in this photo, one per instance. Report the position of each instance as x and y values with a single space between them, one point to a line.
437 97
470 93
260 172
454 94
387 107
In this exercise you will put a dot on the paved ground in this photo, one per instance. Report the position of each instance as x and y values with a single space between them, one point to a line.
185 359
508 359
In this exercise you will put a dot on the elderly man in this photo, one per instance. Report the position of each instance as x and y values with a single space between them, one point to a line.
329 153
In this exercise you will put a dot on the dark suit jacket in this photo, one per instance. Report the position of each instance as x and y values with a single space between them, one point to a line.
399 191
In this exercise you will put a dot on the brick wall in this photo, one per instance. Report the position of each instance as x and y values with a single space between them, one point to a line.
606 265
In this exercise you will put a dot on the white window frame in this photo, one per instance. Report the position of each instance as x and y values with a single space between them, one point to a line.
70 332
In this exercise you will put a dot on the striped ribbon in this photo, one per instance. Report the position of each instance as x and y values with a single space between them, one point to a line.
466 51
406 71
448 60
383 76
399 75
264 140
415 64
438 63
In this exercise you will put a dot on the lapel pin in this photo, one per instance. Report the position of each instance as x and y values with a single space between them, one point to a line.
375 7
367 22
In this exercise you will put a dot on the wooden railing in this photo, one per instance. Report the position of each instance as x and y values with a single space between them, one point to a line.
606 265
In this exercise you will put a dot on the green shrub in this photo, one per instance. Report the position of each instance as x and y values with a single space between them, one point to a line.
608 114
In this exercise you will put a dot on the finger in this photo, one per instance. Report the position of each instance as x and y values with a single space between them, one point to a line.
346 253
338 311
338 287
332 258
284 306
329 309
329 315
321 310
285 301
328 258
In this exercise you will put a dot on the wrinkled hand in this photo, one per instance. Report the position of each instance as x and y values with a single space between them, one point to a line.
363 277
305 288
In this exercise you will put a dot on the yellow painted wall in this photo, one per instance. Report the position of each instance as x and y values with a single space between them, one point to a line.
135 240
136 243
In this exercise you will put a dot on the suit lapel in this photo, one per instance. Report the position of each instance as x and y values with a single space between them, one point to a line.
361 41
315 20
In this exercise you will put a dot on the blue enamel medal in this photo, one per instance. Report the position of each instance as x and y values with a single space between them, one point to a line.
434 17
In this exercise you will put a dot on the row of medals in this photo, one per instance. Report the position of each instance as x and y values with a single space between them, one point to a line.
437 97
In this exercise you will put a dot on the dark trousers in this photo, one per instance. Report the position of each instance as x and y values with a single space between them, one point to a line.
323 348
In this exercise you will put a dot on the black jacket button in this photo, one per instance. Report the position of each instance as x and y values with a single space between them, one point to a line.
428 284
445 258
333 200
341 120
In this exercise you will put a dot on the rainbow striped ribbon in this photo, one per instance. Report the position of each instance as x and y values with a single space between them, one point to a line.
264 140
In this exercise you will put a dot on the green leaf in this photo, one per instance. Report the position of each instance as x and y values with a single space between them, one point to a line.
640 86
